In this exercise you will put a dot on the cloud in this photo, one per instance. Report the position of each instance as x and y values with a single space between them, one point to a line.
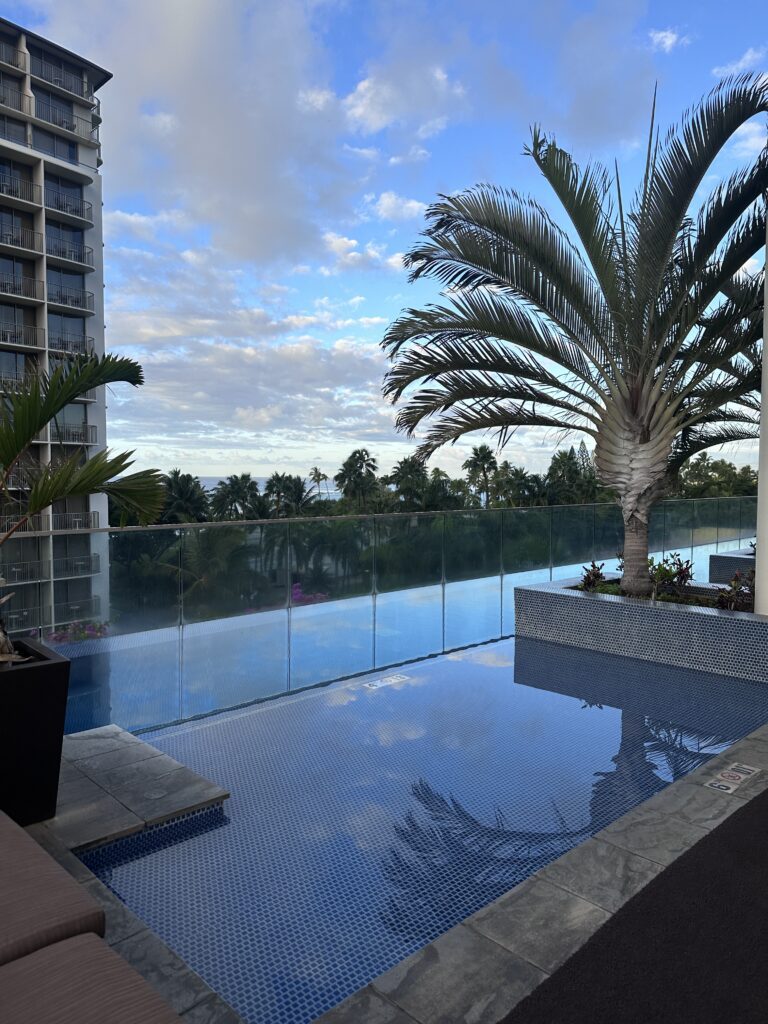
363 152
143 226
751 60
350 256
431 128
161 124
403 96
749 139
666 39
416 154
391 206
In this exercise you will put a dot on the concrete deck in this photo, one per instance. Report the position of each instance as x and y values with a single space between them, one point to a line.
112 784
481 969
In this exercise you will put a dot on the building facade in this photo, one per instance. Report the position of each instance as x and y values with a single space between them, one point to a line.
51 309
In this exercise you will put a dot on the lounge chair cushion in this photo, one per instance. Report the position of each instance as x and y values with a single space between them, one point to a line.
40 902
78 981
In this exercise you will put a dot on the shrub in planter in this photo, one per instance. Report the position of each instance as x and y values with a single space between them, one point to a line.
34 679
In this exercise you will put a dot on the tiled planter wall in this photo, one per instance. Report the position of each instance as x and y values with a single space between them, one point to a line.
726 643
722 568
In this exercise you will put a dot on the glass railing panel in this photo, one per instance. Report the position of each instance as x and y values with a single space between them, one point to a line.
409 590
609 536
473 577
234 597
728 528
525 555
331 599
704 536
573 539
656 530
748 521
126 664
678 528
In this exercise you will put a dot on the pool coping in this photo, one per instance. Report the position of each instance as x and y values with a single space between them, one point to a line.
484 966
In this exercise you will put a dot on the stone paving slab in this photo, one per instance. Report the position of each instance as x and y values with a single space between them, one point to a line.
113 784
366 1005
601 873
652 834
127 934
460 977
539 922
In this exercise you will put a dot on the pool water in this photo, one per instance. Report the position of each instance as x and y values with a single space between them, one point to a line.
369 816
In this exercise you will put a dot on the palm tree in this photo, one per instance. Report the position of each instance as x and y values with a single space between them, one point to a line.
357 477
238 497
480 465
317 477
186 500
274 489
644 334
297 495
410 479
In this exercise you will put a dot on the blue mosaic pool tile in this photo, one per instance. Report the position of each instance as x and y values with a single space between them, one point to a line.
366 820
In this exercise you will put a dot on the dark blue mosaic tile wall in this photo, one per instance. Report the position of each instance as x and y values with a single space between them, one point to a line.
368 817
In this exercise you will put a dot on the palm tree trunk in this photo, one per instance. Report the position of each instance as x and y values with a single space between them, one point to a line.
636 580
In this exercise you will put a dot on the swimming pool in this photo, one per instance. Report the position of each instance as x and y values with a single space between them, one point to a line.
369 816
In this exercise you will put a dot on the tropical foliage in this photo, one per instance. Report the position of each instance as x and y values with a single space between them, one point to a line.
640 329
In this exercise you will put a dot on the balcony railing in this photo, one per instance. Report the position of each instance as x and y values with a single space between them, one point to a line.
80 126
75 344
75 297
23 287
64 522
64 202
22 238
10 55
64 250
22 334
76 565
23 618
20 188
16 100
63 79
25 572
76 611
73 433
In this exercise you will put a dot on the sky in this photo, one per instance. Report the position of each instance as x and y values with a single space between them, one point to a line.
267 164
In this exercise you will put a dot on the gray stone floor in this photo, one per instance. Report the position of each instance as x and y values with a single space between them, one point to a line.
111 785
478 971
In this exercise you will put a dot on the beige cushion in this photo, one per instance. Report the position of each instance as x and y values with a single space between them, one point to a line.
78 981
40 902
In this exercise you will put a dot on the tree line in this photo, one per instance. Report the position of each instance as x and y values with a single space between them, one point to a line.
359 488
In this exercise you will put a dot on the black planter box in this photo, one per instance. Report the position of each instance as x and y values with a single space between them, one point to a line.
33 705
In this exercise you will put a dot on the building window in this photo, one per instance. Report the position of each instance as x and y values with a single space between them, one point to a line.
13 130
51 144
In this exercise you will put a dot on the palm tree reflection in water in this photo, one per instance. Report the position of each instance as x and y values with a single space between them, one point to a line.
447 863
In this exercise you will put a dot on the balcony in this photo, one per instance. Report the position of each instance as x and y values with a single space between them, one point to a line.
72 252
74 344
76 565
73 433
76 611
15 99
82 127
64 202
64 80
10 55
60 522
21 238
25 572
23 619
22 287
75 298
22 335
12 187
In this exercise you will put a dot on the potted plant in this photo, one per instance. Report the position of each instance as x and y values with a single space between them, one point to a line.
33 679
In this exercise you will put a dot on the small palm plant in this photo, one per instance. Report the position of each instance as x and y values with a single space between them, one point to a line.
25 413
644 333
